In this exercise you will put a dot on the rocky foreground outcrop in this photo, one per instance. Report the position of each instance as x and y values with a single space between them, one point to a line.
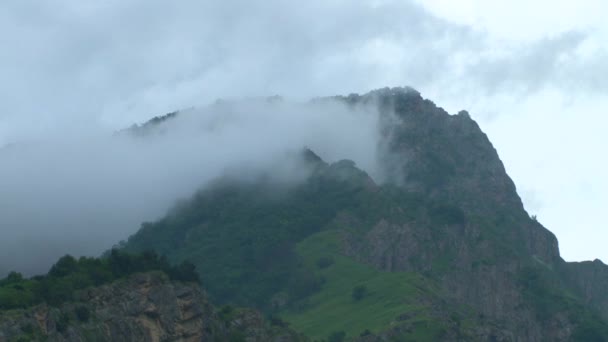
144 307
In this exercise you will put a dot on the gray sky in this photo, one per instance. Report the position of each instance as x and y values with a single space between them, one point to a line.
533 74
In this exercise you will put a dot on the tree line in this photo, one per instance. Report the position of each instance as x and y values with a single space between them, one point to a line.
69 274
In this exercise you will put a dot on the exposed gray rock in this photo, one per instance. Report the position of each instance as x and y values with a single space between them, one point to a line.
144 307
478 261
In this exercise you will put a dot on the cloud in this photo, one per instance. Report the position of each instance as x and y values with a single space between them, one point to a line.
82 194
121 62
69 65
560 62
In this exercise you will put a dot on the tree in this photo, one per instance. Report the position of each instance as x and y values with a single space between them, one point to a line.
186 271
64 266
12 278
365 332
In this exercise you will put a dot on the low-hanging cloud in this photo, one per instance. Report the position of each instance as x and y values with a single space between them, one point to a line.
84 193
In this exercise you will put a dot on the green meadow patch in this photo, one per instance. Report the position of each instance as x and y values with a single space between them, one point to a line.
355 297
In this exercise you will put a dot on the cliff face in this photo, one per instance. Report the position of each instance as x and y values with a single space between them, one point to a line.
448 158
144 307
590 279
486 254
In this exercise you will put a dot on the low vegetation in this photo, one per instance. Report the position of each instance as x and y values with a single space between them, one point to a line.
382 296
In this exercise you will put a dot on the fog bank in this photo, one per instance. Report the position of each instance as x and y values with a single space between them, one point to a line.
83 193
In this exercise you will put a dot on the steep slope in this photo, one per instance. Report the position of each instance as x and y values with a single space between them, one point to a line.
240 231
590 279
490 241
442 249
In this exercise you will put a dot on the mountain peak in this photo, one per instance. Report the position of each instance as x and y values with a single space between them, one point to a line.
446 228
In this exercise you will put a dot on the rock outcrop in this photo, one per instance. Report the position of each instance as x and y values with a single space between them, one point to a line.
488 245
144 307
590 279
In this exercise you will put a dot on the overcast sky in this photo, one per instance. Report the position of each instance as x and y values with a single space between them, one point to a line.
533 74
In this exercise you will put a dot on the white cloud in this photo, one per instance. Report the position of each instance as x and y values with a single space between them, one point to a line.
523 20
83 194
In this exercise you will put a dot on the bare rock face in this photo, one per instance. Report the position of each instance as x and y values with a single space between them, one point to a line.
590 279
144 307
487 245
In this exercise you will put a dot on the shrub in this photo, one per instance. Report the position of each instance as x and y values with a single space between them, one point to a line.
62 324
325 262
359 292
226 313
443 213
82 313
365 332
28 329
337 336
277 321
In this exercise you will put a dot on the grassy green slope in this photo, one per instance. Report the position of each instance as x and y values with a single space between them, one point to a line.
333 308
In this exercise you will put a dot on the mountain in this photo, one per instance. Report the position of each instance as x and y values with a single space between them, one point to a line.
441 249
436 246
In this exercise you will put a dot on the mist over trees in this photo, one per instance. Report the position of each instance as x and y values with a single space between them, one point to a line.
69 274
83 193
